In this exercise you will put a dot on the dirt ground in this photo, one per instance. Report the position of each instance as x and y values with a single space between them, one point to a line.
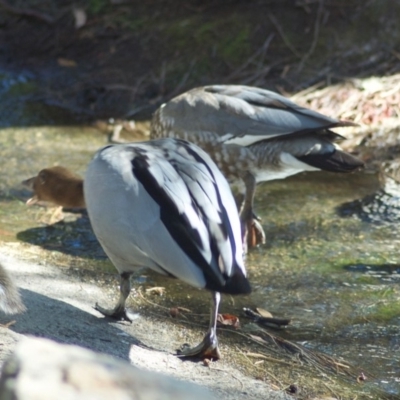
53 297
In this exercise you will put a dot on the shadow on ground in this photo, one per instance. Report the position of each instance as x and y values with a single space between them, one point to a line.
74 238
60 321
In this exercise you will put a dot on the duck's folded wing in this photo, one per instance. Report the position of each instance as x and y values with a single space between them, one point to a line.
165 205
192 203
212 196
243 115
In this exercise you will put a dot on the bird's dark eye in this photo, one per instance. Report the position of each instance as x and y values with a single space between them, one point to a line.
42 177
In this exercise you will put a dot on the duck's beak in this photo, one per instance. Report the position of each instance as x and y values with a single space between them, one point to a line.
32 200
29 182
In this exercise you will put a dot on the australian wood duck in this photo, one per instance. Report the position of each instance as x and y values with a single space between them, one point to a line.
165 205
254 135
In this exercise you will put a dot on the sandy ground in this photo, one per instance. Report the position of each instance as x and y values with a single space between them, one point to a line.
60 307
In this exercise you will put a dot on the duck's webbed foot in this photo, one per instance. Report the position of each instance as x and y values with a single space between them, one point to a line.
252 231
208 348
255 232
119 313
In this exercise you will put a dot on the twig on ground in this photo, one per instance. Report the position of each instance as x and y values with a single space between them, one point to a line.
8 324
331 390
27 12
315 38
271 359
283 35
183 80
211 366
260 51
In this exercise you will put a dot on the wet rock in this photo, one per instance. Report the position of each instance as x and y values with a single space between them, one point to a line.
379 207
43 369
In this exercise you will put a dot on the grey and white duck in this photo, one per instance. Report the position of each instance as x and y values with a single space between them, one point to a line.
165 205
254 135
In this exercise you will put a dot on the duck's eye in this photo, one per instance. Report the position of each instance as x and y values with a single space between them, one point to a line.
42 178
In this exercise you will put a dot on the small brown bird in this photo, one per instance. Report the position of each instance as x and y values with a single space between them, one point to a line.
10 300
56 185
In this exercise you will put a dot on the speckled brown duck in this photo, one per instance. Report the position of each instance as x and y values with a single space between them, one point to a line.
254 135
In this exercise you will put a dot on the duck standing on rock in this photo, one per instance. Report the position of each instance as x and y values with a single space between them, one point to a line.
10 299
165 205
254 135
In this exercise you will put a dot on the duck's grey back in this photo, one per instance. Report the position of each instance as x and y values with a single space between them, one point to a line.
236 114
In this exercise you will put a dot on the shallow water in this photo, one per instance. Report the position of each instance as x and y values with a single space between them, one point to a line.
336 277
334 273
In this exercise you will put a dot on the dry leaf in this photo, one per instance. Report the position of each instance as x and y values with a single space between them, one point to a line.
256 355
324 398
264 313
156 290
229 319
257 339
270 321
65 62
176 311
274 387
183 309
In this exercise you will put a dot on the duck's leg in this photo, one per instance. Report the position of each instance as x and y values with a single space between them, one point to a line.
239 199
208 348
252 231
115 135
119 311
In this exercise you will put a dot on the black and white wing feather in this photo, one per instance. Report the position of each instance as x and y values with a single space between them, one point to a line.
175 214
